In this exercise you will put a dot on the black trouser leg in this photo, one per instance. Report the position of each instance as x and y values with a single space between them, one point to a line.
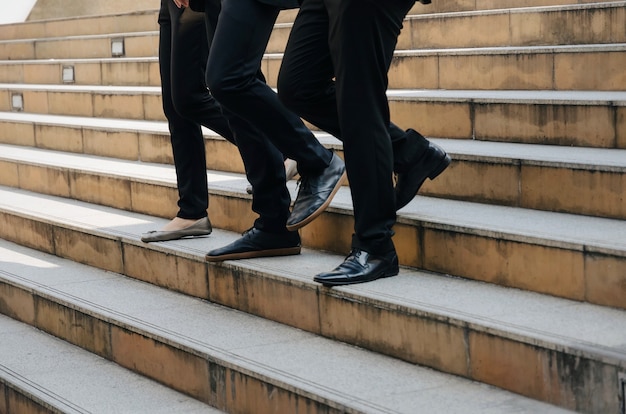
183 52
241 36
306 82
362 38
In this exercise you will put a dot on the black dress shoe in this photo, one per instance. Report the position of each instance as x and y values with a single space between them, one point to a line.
315 193
257 243
429 165
359 267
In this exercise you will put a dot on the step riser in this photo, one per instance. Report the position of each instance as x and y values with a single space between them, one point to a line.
12 400
144 21
561 189
147 20
564 271
126 145
469 5
576 70
540 71
423 338
96 73
514 28
504 182
575 26
122 23
205 378
146 106
514 71
80 48
601 125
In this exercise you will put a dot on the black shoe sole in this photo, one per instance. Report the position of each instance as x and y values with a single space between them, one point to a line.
285 251
320 210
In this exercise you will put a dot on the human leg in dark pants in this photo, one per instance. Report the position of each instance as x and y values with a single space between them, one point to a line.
241 36
187 104
306 84
353 42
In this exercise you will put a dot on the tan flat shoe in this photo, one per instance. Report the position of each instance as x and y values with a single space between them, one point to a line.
201 227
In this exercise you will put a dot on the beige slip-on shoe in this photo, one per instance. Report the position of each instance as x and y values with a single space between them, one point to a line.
202 227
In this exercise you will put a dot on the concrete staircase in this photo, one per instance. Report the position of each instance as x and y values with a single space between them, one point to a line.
512 294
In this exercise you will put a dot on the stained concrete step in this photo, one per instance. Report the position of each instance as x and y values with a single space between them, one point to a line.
567 68
147 141
100 71
556 23
136 44
139 21
468 5
471 23
567 23
596 23
569 353
576 118
554 178
577 257
81 25
40 373
532 68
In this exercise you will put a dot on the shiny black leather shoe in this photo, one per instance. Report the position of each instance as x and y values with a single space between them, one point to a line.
429 165
359 267
257 243
315 194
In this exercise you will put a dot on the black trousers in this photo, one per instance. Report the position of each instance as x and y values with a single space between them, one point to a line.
187 103
334 74
264 128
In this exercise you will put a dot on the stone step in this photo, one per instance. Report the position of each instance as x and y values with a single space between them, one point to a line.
503 68
102 23
562 23
518 23
135 44
571 118
469 5
54 9
596 23
567 353
40 373
81 25
570 256
555 178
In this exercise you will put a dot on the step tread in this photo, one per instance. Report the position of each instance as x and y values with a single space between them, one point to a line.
82 37
597 159
280 354
594 234
487 50
511 50
582 328
523 10
578 97
57 374
121 59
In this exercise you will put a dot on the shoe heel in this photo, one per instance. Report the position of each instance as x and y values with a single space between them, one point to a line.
441 167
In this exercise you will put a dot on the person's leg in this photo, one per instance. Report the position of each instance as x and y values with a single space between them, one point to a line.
187 143
242 33
306 85
241 36
363 36
189 55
